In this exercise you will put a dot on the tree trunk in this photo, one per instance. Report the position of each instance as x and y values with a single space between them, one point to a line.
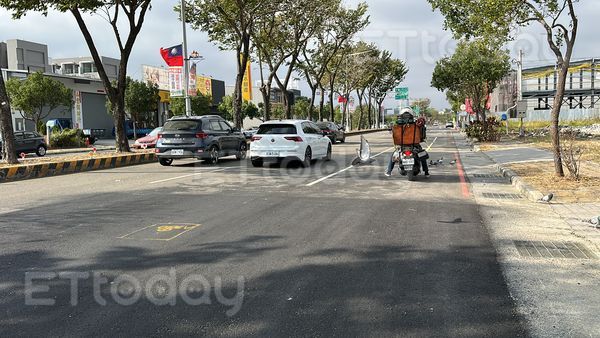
6 127
242 59
554 129
266 103
360 106
331 111
322 103
313 95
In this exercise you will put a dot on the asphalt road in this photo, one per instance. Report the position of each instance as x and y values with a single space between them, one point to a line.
332 250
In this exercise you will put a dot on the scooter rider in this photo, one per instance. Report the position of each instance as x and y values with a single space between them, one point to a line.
392 162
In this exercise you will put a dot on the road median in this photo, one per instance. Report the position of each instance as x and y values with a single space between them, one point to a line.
72 166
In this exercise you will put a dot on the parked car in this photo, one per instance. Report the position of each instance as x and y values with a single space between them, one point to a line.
207 137
296 139
449 125
332 131
29 142
148 141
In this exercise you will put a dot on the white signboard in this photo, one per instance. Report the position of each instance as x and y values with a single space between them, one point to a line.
156 75
176 81
78 113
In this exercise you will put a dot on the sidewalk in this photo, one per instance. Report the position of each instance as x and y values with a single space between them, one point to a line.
551 265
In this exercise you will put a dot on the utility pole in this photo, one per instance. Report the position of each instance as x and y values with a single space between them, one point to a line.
186 65
520 89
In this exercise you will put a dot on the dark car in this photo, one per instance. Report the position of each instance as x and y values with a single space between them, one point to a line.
333 131
29 142
206 137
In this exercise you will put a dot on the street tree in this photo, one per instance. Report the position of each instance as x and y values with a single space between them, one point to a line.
499 19
229 24
6 127
119 14
38 96
391 72
200 104
226 109
141 99
472 72
338 28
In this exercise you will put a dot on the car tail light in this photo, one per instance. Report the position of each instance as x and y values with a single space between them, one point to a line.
327 131
156 150
255 138
159 136
408 153
294 138
201 135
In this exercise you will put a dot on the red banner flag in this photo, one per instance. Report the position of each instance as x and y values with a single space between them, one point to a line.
173 56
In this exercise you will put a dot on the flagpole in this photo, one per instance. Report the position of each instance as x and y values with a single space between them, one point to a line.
186 65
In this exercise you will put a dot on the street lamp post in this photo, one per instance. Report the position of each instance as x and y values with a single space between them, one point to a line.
186 65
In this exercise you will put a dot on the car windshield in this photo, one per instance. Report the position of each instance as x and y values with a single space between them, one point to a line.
279 129
182 125
323 125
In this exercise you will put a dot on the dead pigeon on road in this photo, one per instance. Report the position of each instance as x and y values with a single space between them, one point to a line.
547 198
432 163
595 221
453 162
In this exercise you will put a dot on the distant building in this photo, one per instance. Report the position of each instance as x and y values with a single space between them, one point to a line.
19 58
85 67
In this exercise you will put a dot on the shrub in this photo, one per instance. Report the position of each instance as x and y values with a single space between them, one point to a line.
68 138
571 153
487 131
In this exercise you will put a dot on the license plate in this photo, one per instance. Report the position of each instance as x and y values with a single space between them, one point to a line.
272 153
408 161
177 152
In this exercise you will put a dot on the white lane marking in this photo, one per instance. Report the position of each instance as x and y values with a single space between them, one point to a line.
185 176
9 211
341 171
435 139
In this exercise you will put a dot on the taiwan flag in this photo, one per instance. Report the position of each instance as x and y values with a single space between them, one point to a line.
173 56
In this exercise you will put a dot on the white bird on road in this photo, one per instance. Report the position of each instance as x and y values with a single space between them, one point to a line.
547 198
453 162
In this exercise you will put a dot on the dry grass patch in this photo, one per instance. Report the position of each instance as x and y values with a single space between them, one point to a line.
541 176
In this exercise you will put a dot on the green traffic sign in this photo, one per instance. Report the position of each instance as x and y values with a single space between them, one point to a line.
401 93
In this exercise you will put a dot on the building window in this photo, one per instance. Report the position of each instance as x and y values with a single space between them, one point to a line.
68 68
88 67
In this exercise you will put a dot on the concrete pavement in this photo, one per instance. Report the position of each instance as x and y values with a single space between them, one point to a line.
331 250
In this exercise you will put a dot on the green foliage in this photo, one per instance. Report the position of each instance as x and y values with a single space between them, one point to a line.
249 109
141 99
37 96
301 108
486 131
472 72
68 138
200 105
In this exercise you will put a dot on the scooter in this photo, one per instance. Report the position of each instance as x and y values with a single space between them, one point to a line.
409 159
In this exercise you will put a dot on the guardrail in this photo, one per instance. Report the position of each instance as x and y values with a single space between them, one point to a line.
367 131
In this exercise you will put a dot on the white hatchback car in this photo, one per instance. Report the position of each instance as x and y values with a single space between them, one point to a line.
298 139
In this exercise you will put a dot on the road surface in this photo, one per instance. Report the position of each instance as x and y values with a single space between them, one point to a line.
232 250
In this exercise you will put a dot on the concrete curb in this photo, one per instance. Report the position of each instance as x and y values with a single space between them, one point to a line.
531 193
31 171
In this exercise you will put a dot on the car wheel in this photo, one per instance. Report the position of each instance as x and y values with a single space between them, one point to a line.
328 156
165 161
241 155
411 175
41 151
307 158
257 162
343 140
334 140
214 155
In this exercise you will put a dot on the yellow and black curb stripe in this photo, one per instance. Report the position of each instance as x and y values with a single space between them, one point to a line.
29 171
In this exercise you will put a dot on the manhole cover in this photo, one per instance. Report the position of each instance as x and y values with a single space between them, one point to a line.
547 249
501 196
